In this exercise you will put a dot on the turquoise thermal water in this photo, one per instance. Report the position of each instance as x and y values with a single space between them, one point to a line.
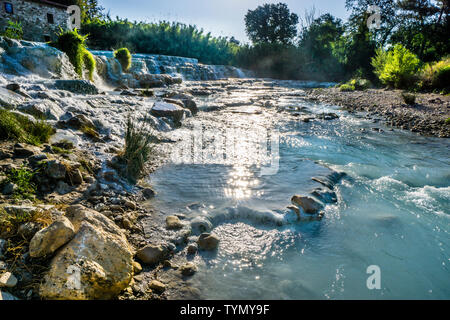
393 208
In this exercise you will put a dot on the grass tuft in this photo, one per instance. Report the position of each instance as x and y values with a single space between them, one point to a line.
137 150
21 129
409 98
124 57
23 179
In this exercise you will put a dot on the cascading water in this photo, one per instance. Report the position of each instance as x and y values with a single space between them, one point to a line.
187 68
33 60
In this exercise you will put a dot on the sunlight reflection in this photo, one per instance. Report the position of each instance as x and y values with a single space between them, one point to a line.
240 183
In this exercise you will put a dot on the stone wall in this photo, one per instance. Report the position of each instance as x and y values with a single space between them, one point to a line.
33 16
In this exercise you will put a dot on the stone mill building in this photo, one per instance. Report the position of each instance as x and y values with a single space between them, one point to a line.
40 19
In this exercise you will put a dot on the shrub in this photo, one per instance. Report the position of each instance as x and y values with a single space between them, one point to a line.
124 57
23 179
409 98
10 127
137 149
174 39
90 132
22 129
362 84
74 45
13 30
356 84
347 87
397 67
436 75
89 63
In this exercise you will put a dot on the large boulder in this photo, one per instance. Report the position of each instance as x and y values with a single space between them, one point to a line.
188 269
5 296
152 254
96 264
169 110
55 169
7 280
48 240
76 86
308 204
186 98
200 225
185 103
42 109
157 286
173 223
79 121
9 98
208 241
20 210
27 57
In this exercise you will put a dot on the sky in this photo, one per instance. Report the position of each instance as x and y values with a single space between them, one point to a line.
220 17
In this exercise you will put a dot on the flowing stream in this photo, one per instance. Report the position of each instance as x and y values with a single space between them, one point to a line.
392 210
253 145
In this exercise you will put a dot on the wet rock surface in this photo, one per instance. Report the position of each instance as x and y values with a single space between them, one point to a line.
99 253
49 239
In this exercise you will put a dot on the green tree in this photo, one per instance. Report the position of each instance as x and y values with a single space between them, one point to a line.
424 28
397 67
388 11
359 46
90 9
317 43
165 38
271 23
13 30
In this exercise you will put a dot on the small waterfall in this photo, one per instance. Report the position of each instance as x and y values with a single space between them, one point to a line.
186 68
27 60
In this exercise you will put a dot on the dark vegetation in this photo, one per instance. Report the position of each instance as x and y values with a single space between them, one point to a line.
165 38
22 178
74 45
409 98
13 30
137 150
124 57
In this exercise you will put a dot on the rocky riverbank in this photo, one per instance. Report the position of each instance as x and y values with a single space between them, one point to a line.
428 116
72 227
